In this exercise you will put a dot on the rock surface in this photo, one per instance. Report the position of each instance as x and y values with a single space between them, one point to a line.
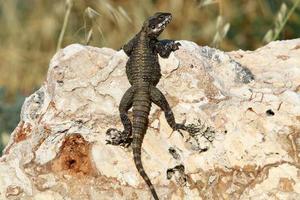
247 146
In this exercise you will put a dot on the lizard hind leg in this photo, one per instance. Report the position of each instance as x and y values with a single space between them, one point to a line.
122 138
159 99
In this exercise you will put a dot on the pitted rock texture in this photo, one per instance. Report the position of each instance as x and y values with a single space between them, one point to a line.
246 105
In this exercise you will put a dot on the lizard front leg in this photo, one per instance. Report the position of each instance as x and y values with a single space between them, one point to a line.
123 138
165 47
129 46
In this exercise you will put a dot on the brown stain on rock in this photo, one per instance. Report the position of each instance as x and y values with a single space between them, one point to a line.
286 184
282 57
74 157
231 183
102 186
294 140
205 82
296 47
297 89
13 190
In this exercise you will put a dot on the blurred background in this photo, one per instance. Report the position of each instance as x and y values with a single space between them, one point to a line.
33 30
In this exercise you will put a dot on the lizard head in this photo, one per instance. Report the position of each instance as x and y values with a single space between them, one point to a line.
155 24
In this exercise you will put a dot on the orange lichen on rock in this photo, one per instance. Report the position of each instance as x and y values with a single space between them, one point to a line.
22 132
74 157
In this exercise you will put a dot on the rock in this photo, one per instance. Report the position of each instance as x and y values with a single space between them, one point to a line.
245 105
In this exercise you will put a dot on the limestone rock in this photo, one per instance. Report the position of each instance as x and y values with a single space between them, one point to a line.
245 104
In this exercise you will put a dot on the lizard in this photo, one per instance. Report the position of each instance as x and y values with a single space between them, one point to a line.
143 72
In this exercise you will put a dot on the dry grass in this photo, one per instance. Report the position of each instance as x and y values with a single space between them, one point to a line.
32 30
281 19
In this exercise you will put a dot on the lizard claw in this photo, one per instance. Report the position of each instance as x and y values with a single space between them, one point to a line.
178 128
175 46
178 44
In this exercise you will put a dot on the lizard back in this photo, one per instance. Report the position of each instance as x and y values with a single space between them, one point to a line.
143 72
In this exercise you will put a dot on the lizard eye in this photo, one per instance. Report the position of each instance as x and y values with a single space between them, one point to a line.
153 27
161 17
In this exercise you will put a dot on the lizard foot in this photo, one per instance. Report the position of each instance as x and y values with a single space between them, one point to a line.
118 138
192 129
178 128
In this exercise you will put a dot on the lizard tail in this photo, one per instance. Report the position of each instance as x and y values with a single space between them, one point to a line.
141 109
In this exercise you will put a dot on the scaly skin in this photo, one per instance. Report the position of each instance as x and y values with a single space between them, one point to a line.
143 72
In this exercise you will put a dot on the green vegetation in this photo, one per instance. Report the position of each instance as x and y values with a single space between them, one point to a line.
32 31
9 116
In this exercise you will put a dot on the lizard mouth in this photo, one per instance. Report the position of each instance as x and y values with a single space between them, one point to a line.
163 24
157 26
